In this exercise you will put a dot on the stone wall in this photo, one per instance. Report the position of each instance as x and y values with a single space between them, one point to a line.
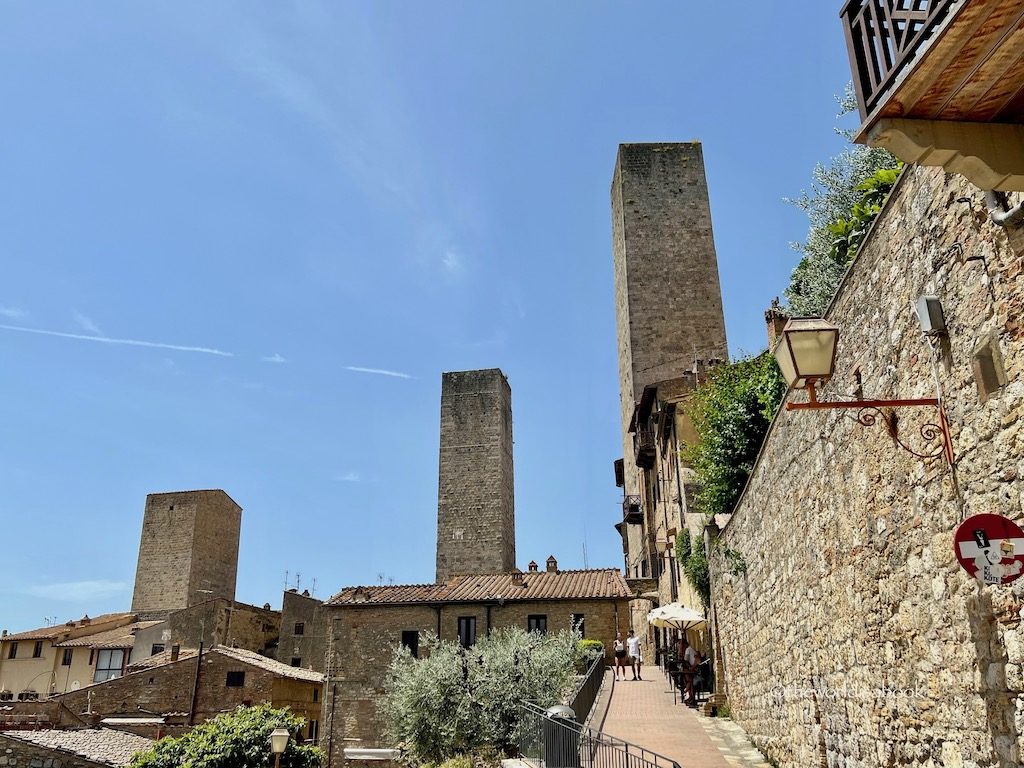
476 529
853 638
188 551
363 639
310 647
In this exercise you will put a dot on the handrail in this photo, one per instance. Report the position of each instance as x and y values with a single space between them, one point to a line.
585 695
562 743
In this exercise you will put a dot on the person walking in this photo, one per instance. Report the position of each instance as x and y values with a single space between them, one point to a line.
619 648
635 655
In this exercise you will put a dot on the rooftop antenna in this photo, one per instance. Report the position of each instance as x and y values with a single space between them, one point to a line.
298 580
312 589
286 581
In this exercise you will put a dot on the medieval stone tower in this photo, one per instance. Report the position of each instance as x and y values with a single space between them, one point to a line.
668 303
476 529
188 552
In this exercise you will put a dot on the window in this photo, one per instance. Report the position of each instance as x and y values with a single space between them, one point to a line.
579 623
316 695
411 640
235 679
300 627
109 664
28 696
92 655
314 729
536 623
156 648
467 631
296 661
12 653
37 650
6 695
65 660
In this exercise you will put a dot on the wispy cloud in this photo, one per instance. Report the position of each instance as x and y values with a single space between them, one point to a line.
274 358
128 342
347 477
77 591
452 262
87 324
13 313
377 371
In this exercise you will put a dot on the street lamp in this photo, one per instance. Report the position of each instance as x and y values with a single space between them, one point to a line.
278 743
806 354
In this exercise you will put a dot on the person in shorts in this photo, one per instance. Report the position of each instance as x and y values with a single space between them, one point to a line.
619 648
635 654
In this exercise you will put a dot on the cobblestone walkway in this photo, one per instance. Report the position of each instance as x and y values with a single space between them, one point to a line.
642 712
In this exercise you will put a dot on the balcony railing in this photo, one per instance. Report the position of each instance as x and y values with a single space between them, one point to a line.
883 37
632 509
643 442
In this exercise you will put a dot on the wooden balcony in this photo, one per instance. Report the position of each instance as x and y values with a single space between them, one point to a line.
941 83
643 443
632 510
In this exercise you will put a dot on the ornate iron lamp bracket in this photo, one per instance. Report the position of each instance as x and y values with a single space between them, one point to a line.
869 412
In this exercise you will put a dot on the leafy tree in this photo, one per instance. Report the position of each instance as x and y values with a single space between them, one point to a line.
831 204
239 739
731 414
457 700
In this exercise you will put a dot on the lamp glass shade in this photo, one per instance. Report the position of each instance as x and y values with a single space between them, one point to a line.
807 351
278 740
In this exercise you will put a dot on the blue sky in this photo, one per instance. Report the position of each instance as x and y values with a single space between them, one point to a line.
300 214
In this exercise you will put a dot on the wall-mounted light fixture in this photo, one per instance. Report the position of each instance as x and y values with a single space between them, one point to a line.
806 354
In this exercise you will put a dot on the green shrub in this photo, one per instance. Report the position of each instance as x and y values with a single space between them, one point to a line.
238 739
589 647
457 701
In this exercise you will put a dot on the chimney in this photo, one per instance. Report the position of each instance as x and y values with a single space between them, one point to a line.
552 564
776 320
517 578
532 566
175 652
85 619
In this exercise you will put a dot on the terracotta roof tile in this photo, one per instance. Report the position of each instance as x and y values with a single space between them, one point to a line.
49 633
159 659
120 637
597 584
101 745
270 665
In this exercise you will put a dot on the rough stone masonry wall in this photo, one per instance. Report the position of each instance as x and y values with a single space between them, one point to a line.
476 530
15 753
854 638
668 302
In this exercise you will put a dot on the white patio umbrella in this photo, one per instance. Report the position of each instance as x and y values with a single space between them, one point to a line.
676 616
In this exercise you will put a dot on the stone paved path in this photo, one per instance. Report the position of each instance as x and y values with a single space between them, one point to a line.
642 712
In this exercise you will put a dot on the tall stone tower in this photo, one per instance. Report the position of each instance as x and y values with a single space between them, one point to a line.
188 552
476 527
668 302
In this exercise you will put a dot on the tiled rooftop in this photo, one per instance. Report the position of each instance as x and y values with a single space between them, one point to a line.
606 584
159 659
275 667
101 745
55 631
120 637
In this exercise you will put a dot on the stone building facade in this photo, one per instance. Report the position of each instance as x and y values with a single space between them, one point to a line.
476 529
303 632
188 551
212 622
668 307
367 624
851 637
192 690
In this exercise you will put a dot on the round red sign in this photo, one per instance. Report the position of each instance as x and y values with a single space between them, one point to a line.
990 548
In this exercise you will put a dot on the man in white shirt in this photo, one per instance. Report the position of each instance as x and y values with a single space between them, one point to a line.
635 656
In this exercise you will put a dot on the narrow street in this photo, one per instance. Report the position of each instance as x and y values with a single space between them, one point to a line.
642 712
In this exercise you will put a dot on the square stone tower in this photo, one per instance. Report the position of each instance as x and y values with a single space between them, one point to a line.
188 552
476 527
668 302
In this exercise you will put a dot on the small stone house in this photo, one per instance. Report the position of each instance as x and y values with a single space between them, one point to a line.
366 624
177 692
84 748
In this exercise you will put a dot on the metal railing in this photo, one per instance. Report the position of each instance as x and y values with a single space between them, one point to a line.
555 742
882 37
586 692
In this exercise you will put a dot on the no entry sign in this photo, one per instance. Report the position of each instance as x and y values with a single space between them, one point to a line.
990 548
